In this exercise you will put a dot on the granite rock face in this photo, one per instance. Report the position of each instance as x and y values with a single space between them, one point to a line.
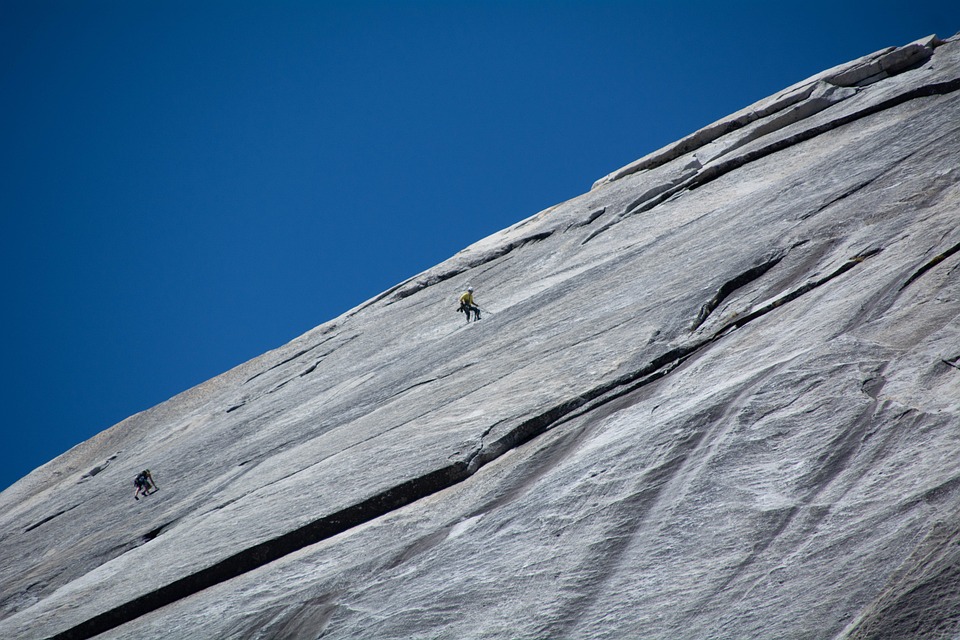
717 396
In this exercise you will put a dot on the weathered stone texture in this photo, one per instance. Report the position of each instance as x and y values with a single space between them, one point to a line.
717 396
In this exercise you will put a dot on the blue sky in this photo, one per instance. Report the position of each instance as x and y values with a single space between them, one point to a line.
186 185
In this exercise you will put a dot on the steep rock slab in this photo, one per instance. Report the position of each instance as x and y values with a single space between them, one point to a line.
731 413
793 103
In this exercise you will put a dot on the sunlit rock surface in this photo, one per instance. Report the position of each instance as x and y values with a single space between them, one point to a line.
717 396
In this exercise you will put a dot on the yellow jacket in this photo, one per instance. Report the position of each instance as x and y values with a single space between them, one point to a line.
467 298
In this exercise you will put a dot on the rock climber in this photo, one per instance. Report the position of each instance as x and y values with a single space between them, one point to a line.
144 483
467 304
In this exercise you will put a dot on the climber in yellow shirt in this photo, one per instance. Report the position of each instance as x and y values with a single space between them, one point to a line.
467 304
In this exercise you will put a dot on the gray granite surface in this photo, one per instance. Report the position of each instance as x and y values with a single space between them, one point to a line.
716 396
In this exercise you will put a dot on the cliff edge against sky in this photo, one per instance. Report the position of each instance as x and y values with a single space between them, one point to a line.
717 396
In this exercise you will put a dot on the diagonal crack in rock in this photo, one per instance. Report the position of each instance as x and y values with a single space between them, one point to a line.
434 481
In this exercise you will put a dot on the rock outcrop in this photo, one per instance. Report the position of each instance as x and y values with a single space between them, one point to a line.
717 396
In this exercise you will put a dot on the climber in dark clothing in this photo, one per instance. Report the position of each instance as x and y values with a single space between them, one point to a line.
144 484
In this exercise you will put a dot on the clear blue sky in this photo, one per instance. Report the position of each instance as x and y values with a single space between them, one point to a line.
187 184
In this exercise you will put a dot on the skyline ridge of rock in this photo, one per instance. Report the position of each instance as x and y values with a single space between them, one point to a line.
714 396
